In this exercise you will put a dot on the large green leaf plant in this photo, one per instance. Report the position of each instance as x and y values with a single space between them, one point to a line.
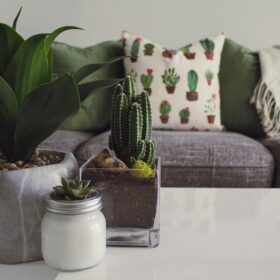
32 104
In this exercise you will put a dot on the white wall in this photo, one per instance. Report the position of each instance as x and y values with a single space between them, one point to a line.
173 23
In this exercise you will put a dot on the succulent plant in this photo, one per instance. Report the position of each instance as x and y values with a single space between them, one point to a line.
208 45
131 125
186 49
170 78
192 80
148 49
164 108
73 189
147 79
135 49
184 113
209 76
33 102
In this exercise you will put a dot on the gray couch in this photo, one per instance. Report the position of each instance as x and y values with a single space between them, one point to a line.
195 159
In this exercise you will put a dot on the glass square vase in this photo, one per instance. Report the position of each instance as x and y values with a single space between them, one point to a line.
131 204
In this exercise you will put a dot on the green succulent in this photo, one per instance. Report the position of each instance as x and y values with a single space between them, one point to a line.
192 80
73 189
184 113
186 49
164 108
208 45
209 74
33 101
149 47
170 78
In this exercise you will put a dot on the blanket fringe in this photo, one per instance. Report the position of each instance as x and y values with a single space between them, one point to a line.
267 109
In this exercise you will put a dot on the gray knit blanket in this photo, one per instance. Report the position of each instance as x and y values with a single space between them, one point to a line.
266 95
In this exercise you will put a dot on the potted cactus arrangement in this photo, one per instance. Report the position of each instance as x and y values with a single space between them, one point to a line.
134 51
209 75
148 49
164 109
184 115
170 79
31 110
130 178
187 52
208 46
192 94
146 80
210 108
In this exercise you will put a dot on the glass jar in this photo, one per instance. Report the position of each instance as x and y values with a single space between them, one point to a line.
73 233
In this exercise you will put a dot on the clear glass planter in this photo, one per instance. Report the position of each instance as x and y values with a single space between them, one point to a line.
131 204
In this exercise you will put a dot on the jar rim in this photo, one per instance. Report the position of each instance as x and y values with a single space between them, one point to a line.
73 207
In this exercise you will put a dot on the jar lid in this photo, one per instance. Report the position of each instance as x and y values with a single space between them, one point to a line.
73 207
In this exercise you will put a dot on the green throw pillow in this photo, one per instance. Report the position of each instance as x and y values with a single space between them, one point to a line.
94 114
239 74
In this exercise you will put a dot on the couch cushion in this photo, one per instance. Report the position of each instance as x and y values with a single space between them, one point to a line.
66 140
205 159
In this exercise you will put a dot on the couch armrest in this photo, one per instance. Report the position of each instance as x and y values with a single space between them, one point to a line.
273 145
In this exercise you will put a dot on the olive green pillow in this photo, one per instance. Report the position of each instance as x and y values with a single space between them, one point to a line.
239 74
94 114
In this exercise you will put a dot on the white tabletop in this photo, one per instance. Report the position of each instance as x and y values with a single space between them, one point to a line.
206 234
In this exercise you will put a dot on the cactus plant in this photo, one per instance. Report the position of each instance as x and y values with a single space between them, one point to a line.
208 46
165 109
184 115
209 76
187 52
167 54
131 123
135 49
170 79
192 95
73 189
210 108
147 80
148 49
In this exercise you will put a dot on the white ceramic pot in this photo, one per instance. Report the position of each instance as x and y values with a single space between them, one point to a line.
22 207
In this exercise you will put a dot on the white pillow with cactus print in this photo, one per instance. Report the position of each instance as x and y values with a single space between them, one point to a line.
183 85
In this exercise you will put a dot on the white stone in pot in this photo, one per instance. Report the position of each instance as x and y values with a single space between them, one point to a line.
22 194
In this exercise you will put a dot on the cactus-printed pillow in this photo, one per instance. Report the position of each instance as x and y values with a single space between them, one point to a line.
183 85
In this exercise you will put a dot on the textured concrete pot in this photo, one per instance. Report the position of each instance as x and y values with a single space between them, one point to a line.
22 208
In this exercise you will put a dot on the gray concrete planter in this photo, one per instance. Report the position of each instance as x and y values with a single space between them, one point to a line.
22 208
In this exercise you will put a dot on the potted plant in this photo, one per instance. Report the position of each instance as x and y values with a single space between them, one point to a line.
187 52
210 108
165 109
31 110
170 79
147 80
192 94
167 53
208 46
209 75
73 217
130 180
184 115
135 49
148 49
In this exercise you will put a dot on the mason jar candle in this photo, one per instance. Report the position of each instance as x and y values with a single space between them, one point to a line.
73 233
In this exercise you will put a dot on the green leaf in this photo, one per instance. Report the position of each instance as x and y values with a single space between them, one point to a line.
88 88
8 117
10 42
28 67
86 70
16 19
43 111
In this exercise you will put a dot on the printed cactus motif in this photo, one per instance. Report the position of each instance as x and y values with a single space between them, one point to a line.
210 108
209 76
167 54
147 80
208 46
187 52
192 95
131 123
148 49
135 49
165 109
170 79
184 115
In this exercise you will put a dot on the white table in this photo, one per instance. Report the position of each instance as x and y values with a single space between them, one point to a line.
206 234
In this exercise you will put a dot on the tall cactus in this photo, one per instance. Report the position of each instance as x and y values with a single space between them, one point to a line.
131 125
